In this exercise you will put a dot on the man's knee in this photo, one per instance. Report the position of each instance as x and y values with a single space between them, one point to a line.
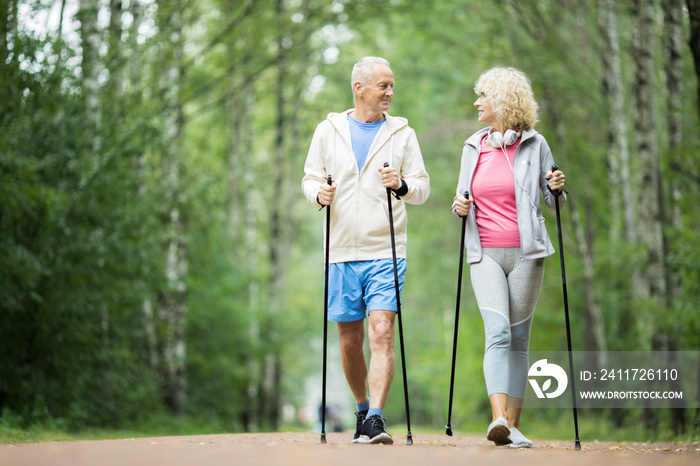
382 328
351 336
351 345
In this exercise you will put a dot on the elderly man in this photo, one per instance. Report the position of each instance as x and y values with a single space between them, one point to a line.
353 147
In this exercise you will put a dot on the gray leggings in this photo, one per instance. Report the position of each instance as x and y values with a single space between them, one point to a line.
506 289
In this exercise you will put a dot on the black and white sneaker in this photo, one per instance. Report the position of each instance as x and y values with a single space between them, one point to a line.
361 415
374 431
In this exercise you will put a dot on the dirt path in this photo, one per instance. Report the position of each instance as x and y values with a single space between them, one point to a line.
305 449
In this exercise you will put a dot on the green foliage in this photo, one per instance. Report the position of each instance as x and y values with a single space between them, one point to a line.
73 229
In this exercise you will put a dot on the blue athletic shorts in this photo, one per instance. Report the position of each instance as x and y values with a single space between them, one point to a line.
355 288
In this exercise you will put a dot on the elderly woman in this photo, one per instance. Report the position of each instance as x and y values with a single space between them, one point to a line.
506 169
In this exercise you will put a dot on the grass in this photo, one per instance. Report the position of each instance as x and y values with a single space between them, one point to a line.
160 425
592 427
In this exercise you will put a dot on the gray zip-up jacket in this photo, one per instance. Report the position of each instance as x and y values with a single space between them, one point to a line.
532 160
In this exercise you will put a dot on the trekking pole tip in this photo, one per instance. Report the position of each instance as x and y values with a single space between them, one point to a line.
323 437
448 429
409 439
577 445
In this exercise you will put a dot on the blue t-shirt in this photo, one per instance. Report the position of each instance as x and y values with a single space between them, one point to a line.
362 136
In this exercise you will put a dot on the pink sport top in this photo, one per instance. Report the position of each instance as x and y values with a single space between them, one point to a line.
493 191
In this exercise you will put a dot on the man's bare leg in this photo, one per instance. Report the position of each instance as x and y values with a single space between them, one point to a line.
383 360
381 374
352 356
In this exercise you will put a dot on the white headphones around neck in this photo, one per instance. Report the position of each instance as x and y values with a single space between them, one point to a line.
500 141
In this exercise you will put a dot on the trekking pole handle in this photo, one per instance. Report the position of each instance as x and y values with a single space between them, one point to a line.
330 183
466 196
391 190
556 192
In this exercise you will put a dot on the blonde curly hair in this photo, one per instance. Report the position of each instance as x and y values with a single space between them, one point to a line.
510 95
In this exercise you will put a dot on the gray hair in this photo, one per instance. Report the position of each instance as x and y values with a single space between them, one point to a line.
363 71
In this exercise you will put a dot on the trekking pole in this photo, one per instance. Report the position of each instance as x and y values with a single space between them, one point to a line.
448 427
557 193
409 436
325 318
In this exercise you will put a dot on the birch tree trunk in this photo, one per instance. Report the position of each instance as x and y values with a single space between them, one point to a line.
9 99
272 377
90 41
649 298
134 60
131 84
251 203
673 29
58 45
242 220
172 304
115 49
595 324
91 65
235 109
584 239
5 14
622 205
651 195
618 150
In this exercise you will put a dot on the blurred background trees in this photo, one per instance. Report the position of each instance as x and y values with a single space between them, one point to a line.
157 254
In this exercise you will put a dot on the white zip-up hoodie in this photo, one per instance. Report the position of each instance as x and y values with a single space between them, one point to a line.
359 213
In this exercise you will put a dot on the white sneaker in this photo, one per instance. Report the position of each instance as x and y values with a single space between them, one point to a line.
518 439
498 432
